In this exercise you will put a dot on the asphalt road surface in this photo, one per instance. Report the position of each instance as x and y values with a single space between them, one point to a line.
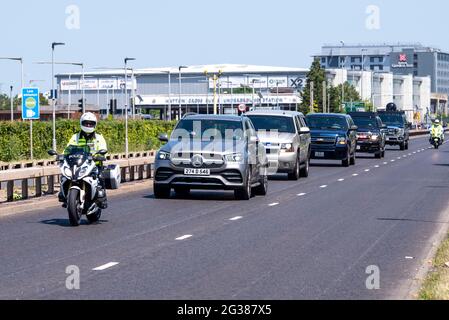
311 239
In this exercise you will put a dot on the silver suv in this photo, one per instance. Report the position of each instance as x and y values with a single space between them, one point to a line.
286 138
212 152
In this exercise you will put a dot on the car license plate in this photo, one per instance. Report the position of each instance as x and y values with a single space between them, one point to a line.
197 172
319 154
359 147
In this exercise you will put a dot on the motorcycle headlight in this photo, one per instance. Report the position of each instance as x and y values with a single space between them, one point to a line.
164 155
287 147
83 172
341 140
68 172
236 157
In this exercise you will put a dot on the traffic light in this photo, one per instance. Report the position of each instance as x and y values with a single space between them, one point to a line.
81 105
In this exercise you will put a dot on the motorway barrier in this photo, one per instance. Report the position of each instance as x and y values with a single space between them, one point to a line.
131 170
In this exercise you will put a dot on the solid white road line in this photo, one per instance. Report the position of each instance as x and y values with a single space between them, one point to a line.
235 218
106 266
187 236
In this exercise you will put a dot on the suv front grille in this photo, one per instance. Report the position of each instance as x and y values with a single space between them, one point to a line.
323 141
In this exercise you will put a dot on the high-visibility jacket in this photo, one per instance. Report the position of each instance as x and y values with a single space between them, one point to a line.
437 131
96 142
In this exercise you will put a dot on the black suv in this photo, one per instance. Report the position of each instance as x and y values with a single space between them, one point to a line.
334 137
370 133
398 129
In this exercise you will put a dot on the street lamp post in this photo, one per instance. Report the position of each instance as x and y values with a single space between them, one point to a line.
53 45
126 106
11 100
21 68
180 90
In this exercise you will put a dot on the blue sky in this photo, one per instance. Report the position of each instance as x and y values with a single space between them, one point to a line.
190 32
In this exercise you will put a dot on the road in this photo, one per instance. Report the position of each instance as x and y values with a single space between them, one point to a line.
311 239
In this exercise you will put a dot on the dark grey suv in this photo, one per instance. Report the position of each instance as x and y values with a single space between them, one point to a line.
212 152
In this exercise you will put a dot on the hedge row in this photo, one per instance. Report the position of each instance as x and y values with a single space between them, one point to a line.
15 145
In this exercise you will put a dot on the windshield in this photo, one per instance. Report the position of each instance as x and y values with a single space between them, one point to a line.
366 123
208 129
396 120
273 123
327 123
76 155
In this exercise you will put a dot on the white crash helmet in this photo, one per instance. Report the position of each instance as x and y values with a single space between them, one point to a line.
88 122
437 121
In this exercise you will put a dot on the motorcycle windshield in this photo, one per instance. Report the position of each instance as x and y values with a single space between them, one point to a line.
76 155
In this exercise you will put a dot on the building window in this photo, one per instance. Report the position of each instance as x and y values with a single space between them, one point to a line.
323 60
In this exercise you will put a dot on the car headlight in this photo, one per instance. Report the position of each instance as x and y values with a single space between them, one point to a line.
68 172
164 155
341 140
401 132
236 157
287 147
375 137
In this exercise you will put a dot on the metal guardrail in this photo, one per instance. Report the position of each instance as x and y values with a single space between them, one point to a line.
131 170
45 163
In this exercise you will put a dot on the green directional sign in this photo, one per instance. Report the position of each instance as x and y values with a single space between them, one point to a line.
356 106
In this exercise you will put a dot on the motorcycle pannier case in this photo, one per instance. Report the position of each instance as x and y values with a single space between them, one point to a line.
112 177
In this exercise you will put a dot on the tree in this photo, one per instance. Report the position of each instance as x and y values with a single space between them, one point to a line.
316 75
350 94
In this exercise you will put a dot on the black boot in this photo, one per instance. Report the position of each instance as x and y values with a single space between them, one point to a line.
62 199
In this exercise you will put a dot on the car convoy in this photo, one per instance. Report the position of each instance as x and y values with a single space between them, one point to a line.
239 153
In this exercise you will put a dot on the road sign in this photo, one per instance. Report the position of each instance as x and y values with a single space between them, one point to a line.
355 106
30 104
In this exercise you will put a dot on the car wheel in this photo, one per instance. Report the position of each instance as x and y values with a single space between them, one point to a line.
402 146
378 155
262 188
305 170
245 192
353 160
161 192
406 146
295 175
345 163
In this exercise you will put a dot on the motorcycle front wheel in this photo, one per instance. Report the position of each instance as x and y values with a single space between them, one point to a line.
74 207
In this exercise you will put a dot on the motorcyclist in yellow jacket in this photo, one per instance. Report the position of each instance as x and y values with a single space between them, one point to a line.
96 142
437 130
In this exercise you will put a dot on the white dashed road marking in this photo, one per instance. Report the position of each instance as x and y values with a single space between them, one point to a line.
377 166
235 218
106 266
367 170
273 204
324 186
341 180
355 175
301 194
187 236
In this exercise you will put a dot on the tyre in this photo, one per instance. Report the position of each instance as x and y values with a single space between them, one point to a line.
161 192
383 154
378 155
305 170
295 175
353 160
402 146
262 189
182 192
245 192
406 146
345 163
74 207
93 218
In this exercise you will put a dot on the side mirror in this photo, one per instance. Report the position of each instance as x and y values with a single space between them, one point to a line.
163 137
353 128
102 152
304 130
52 153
